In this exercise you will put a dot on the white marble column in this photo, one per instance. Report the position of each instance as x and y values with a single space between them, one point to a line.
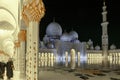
33 11
73 64
22 39
78 57
16 62
66 59
33 43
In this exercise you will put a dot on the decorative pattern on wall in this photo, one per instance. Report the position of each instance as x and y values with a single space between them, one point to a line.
33 11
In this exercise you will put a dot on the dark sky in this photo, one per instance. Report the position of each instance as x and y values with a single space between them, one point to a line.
83 16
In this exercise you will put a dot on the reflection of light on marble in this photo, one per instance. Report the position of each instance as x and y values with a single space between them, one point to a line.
58 59
42 63
45 55
52 63
45 63
91 60
66 59
49 63
49 56
114 60
72 54
63 59
78 59
94 61
46 59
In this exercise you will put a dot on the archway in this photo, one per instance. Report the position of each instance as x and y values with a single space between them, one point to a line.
7 29
73 58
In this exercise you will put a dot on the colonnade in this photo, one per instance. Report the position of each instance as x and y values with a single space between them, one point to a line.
46 59
74 59
114 59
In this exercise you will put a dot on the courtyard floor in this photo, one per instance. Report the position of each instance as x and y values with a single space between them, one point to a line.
67 74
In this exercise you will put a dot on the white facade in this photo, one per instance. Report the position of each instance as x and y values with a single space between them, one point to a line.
16 19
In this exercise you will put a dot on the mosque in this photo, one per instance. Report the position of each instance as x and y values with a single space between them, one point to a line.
19 23
60 45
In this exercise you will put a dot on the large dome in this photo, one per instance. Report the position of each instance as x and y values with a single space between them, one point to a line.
54 29
74 35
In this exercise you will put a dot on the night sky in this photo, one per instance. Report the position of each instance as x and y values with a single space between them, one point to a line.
83 16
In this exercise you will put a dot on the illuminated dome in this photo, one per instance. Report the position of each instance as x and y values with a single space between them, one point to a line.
45 39
77 41
54 29
97 47
91 47
74 35
90 42
65 37
112 47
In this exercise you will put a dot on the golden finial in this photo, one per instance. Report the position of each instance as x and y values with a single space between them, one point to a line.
104 2
53 19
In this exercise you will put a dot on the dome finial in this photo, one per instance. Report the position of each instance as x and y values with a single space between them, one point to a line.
65 31
72 29
104 2
53 19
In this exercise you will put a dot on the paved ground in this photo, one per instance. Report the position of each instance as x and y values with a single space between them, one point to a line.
65 74
78 74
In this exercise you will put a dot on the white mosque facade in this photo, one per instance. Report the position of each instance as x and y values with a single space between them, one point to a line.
60 45
19 23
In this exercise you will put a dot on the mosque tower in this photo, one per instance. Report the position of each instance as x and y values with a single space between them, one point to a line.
104 25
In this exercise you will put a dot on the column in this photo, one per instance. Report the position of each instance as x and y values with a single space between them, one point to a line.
33 11
16 74
33 51
78 59
66 59
73 64
22 39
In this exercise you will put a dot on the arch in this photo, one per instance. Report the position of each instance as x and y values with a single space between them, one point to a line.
6 28
72 53
6 15
11 16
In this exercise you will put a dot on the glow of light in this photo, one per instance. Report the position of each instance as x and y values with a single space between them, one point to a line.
59 59
83 58
4 33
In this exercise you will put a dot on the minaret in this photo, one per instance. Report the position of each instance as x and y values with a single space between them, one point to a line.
104 25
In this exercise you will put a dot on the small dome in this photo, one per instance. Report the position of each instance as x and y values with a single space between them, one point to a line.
112 47
54 29
74 35
97 48
45 39
65 37
76 41
90 42
91 47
